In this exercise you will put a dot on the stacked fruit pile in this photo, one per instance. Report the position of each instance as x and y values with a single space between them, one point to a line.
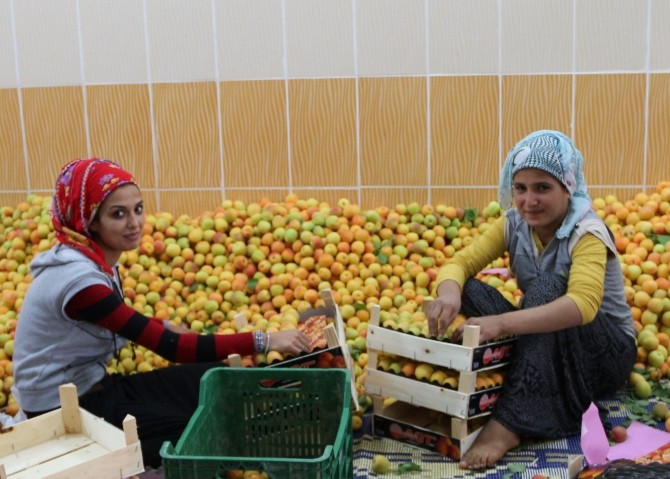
269 261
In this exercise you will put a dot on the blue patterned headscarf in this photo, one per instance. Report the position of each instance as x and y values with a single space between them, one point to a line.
552 152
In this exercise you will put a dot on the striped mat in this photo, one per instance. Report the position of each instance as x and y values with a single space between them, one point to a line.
549 458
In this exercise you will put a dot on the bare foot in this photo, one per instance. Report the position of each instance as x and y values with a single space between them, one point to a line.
490 446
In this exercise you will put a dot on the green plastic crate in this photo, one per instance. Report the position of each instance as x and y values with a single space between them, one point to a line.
301 430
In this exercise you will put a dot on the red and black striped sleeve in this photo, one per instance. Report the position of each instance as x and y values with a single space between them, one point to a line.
100 305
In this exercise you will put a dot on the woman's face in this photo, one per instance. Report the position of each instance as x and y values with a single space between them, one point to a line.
117 226
541 200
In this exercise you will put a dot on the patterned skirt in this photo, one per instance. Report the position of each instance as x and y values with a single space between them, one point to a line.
552 378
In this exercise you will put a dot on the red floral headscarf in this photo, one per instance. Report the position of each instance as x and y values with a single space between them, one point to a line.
81 188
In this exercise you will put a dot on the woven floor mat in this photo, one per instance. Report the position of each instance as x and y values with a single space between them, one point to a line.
550 458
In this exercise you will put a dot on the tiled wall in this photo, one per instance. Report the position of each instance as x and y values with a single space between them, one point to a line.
379 101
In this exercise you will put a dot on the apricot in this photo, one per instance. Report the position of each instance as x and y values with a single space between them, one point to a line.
618 434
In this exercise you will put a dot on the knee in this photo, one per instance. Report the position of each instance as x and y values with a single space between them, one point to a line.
546 288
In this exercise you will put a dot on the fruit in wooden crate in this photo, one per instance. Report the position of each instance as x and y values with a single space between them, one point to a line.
423 371
438 377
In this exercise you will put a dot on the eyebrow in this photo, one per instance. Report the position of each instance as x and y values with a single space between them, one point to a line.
141 202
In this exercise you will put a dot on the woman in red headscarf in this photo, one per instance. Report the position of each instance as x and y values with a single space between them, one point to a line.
74 320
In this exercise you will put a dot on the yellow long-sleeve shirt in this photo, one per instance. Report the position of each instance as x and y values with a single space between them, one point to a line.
586 282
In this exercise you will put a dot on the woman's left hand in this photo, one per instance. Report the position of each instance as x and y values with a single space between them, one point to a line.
289 341
490 328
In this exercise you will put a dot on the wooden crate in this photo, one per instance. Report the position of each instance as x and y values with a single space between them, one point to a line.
470 356
424 428
464 403
70 442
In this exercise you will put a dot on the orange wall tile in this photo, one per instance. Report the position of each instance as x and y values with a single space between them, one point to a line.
531 103
13 166
323 132
12 199
330 196
187 135
464 130
374 197
55 131
465 197
266 139
190 202
255 195
393 129
255 151
659 130
609 128
120 126
621 193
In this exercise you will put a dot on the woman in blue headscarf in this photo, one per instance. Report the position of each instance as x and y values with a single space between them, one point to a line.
576 341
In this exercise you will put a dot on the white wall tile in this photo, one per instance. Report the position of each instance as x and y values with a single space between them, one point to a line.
7 57
391 37
320 38
611 35
113 35
48 43
659 58
250 39
537 37
181 40
463 37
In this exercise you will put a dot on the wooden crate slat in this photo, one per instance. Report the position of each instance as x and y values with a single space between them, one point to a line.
125 462
414 392
29 457
29 433
452 356
103 433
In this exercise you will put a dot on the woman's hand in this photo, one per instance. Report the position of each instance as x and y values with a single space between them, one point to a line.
490 328
443 309
289 341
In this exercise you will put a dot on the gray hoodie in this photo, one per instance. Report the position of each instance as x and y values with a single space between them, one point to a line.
50 348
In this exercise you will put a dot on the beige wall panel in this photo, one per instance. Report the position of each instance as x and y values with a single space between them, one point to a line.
192 202
255 144
187 135
658 159
373 197
323 132
12 199
393 128
536 36
256 195
119 119
464 130
464 197
609 127
532 103
13 165
610 35
55 132
330 196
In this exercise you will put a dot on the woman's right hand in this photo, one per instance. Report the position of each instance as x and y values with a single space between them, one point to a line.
443 309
